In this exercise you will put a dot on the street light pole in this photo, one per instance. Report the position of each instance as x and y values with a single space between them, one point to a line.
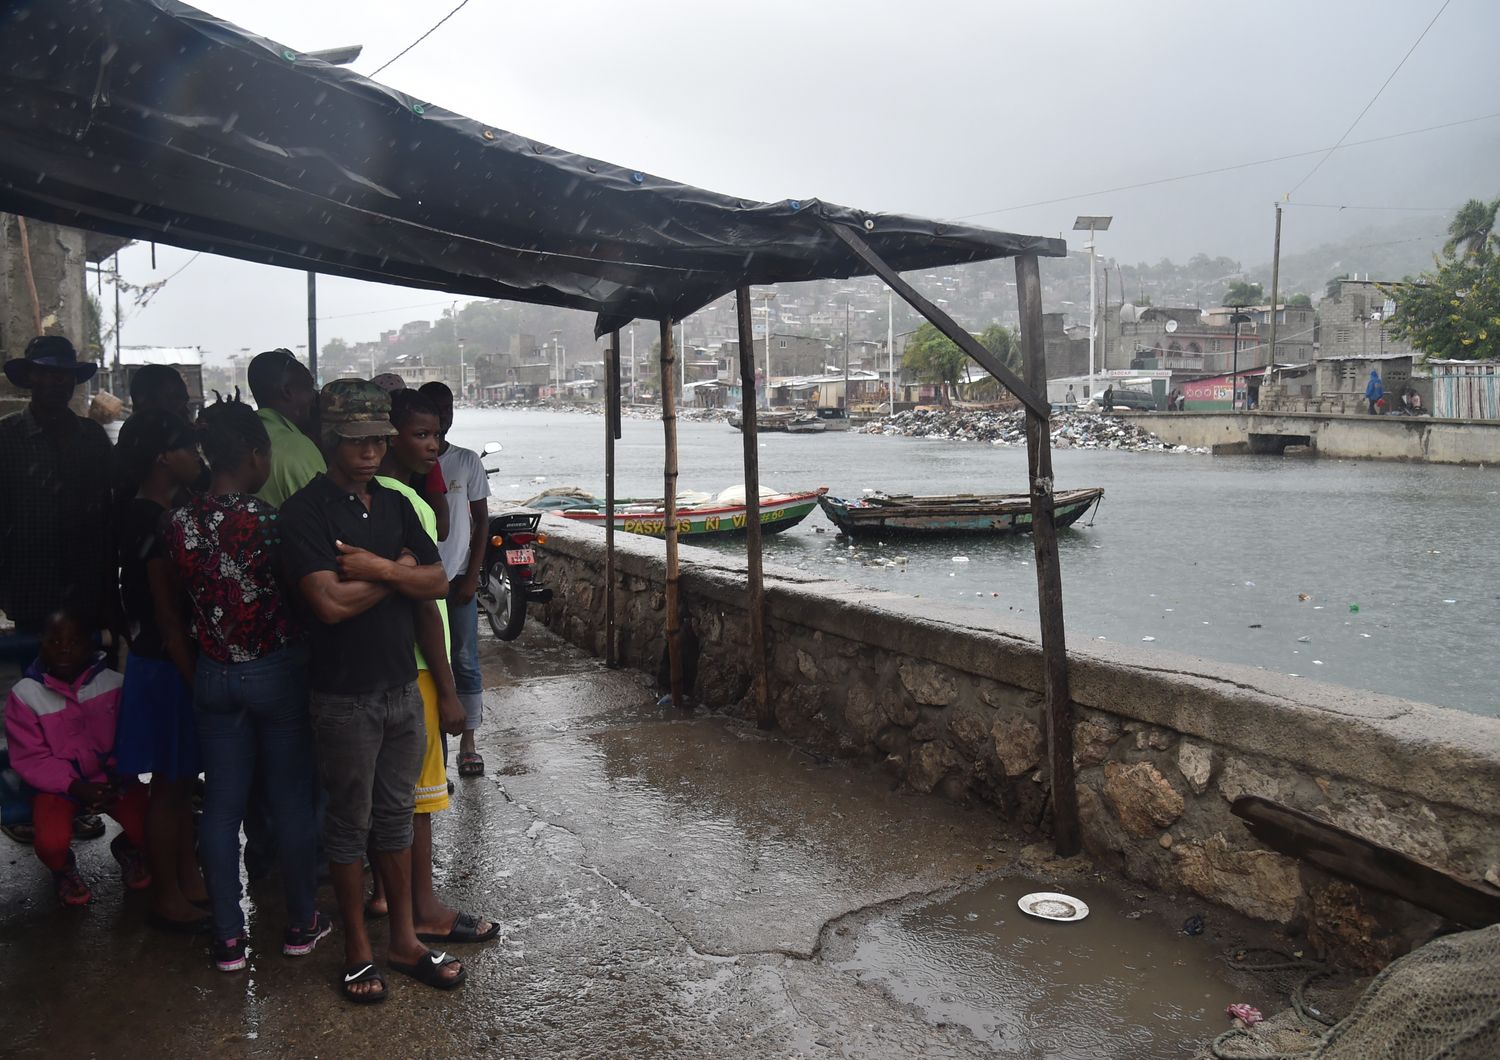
1092 223
1234 375
890 347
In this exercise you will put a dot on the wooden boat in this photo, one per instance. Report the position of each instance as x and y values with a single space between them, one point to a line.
699 516
963 513
784 421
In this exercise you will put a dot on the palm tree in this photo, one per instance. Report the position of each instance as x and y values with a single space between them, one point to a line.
1472 229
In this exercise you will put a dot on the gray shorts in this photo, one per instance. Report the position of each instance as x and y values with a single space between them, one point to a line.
370 747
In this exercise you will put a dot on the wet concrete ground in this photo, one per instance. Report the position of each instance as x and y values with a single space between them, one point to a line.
669 886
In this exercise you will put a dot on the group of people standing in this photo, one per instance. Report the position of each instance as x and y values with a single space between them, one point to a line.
301 627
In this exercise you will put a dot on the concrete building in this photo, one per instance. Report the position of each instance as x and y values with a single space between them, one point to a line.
56 264
1353 322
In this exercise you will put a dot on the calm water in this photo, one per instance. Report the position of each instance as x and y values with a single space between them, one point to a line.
1197 554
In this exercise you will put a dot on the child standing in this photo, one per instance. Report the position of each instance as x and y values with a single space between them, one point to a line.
60 723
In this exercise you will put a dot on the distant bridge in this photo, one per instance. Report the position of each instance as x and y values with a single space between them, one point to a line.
1414 438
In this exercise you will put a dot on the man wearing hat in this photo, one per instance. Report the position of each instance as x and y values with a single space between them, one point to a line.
55 495
362 563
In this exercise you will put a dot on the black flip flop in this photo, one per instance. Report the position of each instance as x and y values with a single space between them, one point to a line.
465 930
471 764
429 970
363 973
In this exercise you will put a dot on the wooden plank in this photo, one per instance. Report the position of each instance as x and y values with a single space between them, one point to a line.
1058 696
669 515
1029 394
1364 861
764 716
611 432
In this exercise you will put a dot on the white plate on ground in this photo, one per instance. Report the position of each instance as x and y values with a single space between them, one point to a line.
1048 905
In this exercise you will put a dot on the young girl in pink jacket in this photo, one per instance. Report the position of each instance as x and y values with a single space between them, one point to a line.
60 723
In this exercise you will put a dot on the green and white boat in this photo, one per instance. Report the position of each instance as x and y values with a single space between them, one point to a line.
699 515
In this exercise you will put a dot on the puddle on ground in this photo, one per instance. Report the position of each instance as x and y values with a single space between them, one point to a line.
1105 986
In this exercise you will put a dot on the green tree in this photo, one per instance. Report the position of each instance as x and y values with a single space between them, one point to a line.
1331 288
1300 301
1241 293
93 327
1472 230
1452 312
934 357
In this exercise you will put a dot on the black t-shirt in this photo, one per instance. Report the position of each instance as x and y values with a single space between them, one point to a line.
140 520
375 650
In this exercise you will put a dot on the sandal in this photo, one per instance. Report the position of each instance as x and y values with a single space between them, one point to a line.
429 970
363 973
23 832
465 929
71 890
470 764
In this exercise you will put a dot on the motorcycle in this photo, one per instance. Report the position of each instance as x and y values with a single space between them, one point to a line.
507 582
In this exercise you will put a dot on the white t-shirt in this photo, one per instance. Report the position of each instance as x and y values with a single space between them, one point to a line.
467 482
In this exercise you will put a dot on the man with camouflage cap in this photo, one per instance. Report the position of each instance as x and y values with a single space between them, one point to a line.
362 562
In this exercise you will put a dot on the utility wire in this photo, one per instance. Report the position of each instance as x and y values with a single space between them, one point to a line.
462 4
1225 169
1347 206
1319 164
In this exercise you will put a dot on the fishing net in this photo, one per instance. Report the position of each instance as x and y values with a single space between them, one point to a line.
1439 1001
1442 1000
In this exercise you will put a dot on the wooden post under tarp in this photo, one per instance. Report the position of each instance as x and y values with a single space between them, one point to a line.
764 716
669 515
611 432
1057 694
1033 394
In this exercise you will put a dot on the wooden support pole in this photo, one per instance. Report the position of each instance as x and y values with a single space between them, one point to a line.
611 432
764 717
669 512
36 302
1034 399
1048 568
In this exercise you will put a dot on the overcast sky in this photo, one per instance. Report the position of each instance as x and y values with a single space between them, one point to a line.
944 108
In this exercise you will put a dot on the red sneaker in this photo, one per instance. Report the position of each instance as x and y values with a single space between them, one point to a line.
71 890
133 870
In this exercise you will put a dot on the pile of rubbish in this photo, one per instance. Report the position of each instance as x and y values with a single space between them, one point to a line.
1070 430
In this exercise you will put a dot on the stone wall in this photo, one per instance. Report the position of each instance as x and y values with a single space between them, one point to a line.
948 700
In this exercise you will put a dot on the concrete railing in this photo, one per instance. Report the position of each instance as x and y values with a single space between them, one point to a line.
948 699
1419 439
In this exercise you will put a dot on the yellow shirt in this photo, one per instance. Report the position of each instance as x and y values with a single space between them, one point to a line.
428 518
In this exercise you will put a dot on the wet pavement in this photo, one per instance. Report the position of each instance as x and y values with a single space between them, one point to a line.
669 886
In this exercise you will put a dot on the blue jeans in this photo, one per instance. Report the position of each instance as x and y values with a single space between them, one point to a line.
254 716
463 631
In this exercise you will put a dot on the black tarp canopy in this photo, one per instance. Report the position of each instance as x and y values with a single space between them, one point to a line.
153 120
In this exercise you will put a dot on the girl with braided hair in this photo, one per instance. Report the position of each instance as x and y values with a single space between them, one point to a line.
248 669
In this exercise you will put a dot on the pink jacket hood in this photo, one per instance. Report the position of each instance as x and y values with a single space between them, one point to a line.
60 732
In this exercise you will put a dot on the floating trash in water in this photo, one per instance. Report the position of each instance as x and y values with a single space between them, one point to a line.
1365 635
1304 640
1253 625
1354 608
1250 585
1148 639
960 559
1450 601
1193 925
1303 597
1049 905
1317 662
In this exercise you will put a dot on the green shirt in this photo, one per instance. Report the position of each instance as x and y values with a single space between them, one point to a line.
294 459
428 518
